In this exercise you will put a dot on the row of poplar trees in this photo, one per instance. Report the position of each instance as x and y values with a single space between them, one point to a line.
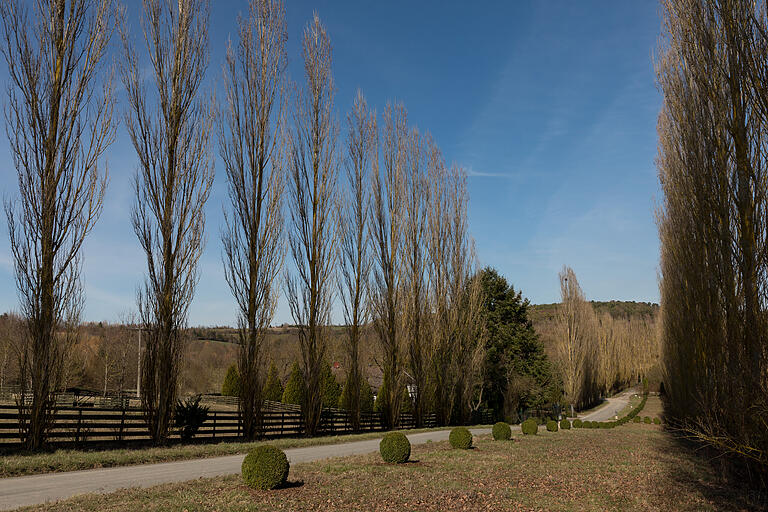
390 240
596 353
713 224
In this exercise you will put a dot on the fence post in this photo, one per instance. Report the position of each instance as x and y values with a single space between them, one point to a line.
122 424
79 421
282 423
214 425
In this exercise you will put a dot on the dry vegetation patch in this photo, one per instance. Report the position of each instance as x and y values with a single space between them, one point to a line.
635 467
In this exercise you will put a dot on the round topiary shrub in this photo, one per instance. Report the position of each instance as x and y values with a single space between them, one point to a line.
647 420
657 421
577 423
529 427
565 424
395 448
460 438
502 431
265 467
636 419
552 426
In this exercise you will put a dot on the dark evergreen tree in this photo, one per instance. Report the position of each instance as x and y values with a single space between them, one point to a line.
331 387
517 371
231 386
294 389
273 388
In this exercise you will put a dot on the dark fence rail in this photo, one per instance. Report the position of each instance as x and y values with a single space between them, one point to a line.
80 425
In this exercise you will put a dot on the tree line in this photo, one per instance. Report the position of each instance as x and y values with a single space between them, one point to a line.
598 354
712 221
375 218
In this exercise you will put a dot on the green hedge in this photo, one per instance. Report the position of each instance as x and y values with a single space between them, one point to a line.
565 424
502 431
529 427
552 426
265 467
577 423
395 448
460 438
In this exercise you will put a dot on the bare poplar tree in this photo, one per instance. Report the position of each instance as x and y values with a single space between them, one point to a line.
250 142
58 126
387 219
439 270
712 164
170 132
313 168
467 336
354 243
574 342
414 258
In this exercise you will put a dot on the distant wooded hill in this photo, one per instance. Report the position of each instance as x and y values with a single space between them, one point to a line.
616 308
109 351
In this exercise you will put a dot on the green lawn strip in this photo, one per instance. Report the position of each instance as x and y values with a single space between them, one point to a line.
635 469
73 460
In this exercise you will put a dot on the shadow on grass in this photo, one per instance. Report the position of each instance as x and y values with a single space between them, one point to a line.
292 485
703 473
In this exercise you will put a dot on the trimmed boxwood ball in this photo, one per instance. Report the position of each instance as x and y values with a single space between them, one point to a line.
395 448
565 424
657 421
529 427
636 419
265 467
577 423
502 431
552 426
460 438
647 420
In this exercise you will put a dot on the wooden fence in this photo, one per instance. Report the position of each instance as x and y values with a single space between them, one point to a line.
80 425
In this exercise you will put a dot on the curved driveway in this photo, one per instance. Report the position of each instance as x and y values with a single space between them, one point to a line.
612 408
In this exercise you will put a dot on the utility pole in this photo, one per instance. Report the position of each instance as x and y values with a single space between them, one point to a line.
138 367
138 362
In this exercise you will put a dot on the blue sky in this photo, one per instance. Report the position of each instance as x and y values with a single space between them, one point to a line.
551 106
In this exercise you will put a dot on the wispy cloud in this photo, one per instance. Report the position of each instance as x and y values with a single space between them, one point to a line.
483 174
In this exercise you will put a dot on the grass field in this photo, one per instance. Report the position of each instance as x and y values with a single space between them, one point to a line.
633 467
72 460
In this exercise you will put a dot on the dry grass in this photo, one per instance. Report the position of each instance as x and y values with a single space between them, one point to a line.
633 467
72 460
